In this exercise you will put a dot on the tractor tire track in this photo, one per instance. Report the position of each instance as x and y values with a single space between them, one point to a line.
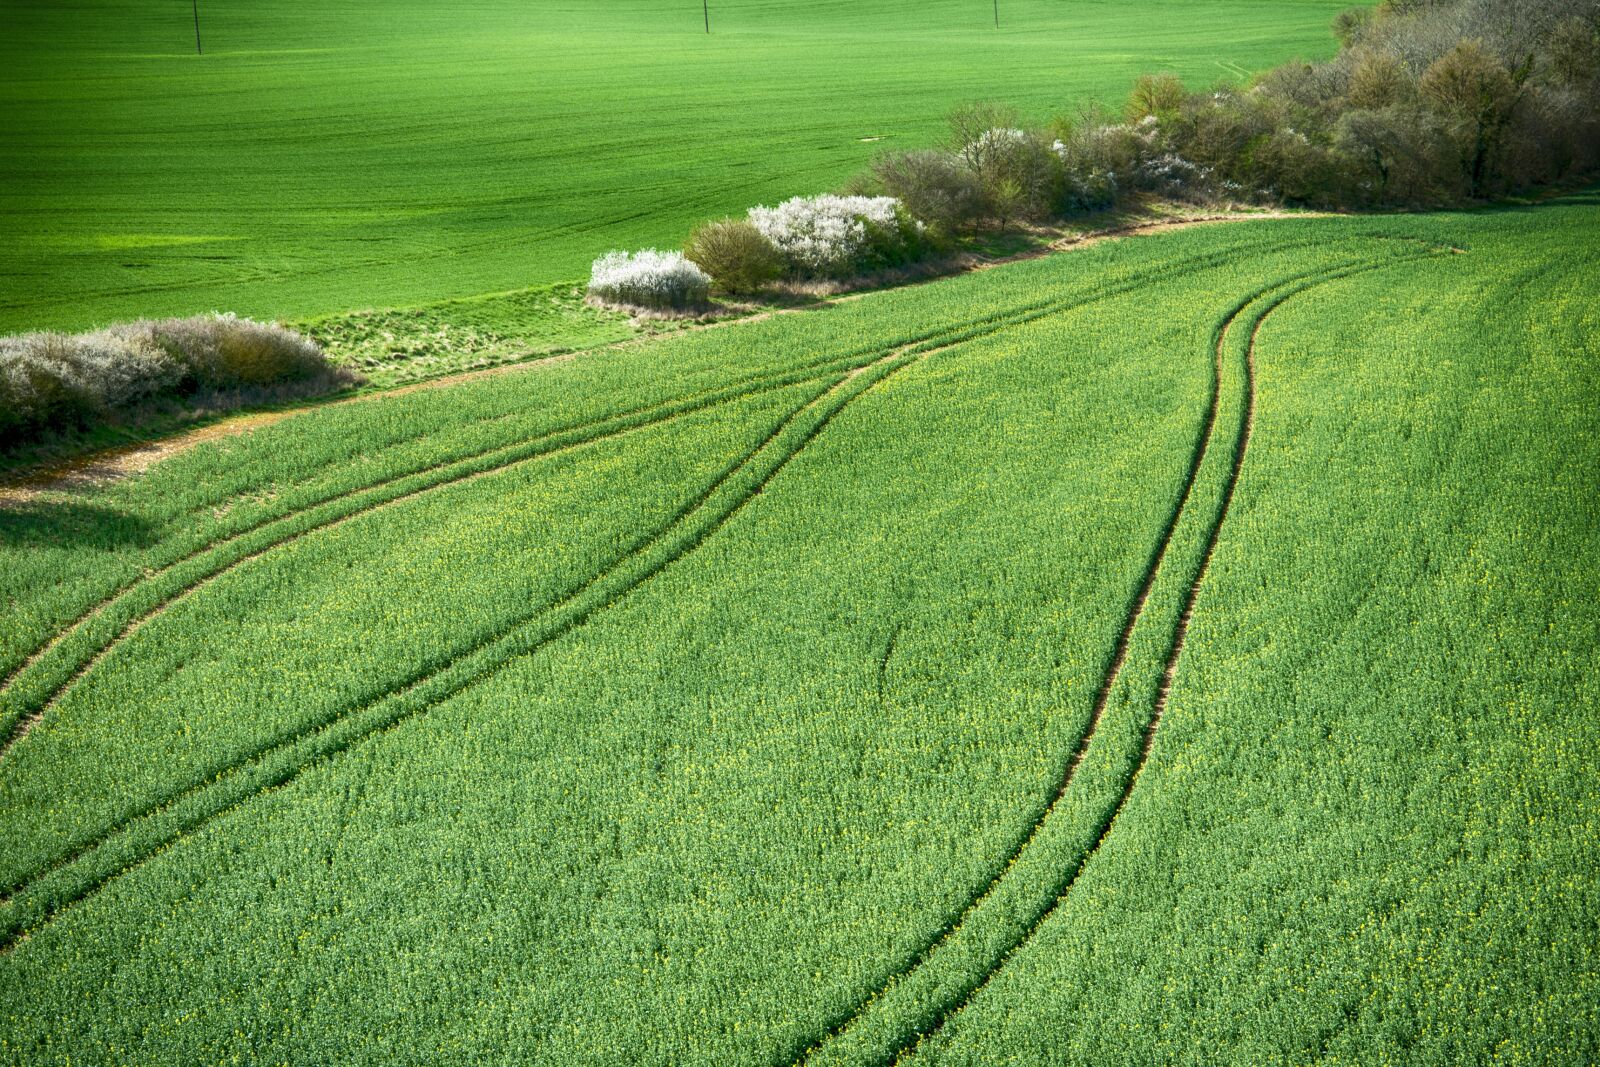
420 677
467 471
258 771
1112 671
940 341
24 715
443 474
1176 642
319 743
671 406
1109 676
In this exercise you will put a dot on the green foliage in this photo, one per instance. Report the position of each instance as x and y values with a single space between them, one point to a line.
898 243
735 254
1157 96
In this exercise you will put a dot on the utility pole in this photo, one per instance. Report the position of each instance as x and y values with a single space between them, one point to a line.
199 52
705 9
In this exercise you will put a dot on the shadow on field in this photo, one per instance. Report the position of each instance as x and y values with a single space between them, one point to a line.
69 524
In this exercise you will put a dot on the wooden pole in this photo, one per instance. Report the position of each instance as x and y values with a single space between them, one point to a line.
197 50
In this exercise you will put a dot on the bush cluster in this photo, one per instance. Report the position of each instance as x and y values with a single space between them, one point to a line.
805 237
57 381
1428 103
990 170
649 279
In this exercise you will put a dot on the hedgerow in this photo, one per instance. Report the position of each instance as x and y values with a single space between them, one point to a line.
1426 104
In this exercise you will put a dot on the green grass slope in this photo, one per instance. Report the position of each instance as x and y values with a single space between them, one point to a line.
1175 649
325 157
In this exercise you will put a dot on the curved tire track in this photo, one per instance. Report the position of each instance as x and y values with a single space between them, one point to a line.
240 547
40 896
37 900
300 751
1289 288
1175 645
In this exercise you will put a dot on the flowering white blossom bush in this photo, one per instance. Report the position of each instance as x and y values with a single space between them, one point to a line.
825 235
649 279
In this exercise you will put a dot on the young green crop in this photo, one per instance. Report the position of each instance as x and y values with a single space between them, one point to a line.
222 509
1366 828
723 720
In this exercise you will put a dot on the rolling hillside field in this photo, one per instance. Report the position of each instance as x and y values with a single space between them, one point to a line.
331 156
1180 649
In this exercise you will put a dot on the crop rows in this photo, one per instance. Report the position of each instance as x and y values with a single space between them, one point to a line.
797 727
1038 874
35 896
1331 703
45 676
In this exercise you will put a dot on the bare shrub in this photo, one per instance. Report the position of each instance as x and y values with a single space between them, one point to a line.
56 381
972 133
1024 177
1428 103
934 186
1574 52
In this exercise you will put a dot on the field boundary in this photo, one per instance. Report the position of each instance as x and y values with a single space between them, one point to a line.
38 897
65 474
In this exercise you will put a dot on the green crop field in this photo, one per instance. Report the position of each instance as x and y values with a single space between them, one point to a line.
1175 650
333 156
